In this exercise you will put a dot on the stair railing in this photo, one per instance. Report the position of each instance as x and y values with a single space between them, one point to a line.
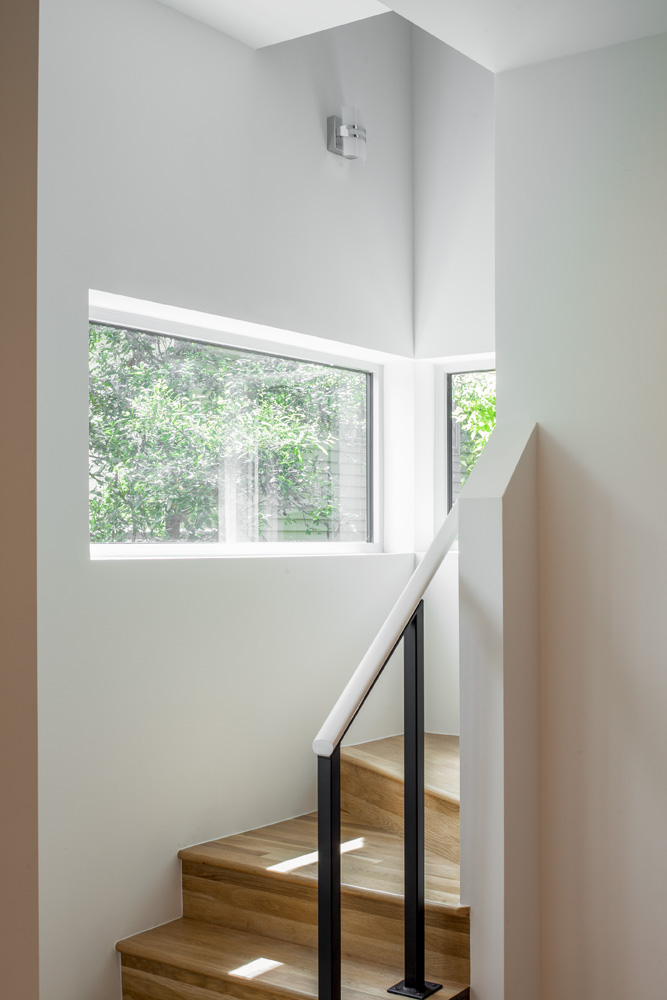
405 621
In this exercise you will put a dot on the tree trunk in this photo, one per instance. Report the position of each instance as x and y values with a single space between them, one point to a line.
173 525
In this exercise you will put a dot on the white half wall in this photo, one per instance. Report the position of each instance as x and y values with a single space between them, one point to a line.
500 738
441 649
178 699
582 348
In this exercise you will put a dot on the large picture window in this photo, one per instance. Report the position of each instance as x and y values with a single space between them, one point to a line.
191 442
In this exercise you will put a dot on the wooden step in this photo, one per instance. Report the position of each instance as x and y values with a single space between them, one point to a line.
376 865
192 960
441 761
372 789
233 882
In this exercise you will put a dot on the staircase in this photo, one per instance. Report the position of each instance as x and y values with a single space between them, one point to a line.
253 896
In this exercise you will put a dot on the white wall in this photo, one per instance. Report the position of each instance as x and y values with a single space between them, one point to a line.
582 348
441 649
214 157
382 714
454 303
453 200
178 699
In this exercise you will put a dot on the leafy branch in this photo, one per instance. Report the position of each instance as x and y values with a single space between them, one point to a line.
170 418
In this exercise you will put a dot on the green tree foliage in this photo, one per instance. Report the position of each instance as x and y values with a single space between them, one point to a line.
184 435
474 409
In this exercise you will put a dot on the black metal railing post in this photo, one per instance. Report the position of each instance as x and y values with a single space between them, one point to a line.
328 837
328 893
414 984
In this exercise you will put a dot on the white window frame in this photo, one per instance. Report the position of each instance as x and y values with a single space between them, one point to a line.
110 309
450 366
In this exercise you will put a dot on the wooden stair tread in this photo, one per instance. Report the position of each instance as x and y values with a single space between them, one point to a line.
441 761
377 867
202 956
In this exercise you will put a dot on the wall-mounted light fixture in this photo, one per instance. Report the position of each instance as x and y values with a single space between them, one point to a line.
346 136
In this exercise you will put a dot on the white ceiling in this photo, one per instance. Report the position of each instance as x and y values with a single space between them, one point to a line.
499 34
265 22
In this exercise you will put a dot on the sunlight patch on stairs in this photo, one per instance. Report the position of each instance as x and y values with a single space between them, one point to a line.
256 968
311 859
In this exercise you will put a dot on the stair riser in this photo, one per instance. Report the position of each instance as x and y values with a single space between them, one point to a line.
138 985
287 911
368 797
146 980
182 984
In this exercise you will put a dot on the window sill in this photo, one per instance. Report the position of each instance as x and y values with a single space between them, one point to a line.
211 550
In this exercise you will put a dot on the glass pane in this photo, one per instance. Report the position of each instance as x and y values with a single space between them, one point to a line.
194 442
472 417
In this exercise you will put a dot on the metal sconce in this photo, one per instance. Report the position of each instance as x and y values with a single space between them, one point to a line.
346 136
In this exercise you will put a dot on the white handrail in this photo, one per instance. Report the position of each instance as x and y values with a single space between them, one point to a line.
366 674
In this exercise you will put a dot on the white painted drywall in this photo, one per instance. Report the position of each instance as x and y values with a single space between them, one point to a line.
441 601
441 649
178 699
454 201
454 304
382 713
215 155
500 813
502 34
264 22
582 348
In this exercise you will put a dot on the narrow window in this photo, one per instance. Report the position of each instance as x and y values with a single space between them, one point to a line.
471 416
193 442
